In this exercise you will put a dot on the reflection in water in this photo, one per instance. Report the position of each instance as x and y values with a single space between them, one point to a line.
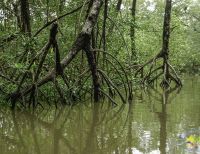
149 125
163 123
130 129
163 98
91 135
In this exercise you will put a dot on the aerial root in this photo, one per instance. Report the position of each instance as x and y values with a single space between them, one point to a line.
60 92
151 61
109 97
117 71
167 70
108 80
176 78
128 88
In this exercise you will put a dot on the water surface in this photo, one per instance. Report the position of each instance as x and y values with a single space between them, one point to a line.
151 124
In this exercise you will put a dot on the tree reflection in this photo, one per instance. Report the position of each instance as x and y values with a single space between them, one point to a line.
130 129
163 123
18 133
90 129
94 130
162 115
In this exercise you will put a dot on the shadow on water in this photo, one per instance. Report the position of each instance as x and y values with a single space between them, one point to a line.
149 124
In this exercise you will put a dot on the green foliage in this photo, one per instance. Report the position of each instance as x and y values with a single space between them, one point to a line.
184 41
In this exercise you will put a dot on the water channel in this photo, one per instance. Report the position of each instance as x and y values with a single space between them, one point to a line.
151 124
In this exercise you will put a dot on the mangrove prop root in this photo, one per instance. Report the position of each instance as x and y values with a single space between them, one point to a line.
60 92
52 41
167 70
112 84
93 68
121 67
77 46
109 97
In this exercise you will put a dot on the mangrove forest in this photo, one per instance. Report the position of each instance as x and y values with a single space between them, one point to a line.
99 76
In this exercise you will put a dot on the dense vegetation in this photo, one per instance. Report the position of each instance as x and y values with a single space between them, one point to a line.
74 49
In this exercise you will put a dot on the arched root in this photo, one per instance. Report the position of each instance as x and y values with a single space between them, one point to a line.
167 71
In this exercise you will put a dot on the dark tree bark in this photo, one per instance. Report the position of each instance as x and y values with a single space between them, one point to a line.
52 41
118 7
104 27
166 27
93 31
132 31
80 43
168 72
166 36
47 11
25 17
93 68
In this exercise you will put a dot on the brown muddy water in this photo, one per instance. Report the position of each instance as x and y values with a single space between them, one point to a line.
154 123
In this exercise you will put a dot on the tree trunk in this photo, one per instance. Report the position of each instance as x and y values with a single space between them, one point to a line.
79 44
168 71
25 17
93 68
118 7
132 31
117 10
104 28
166 36
166 26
